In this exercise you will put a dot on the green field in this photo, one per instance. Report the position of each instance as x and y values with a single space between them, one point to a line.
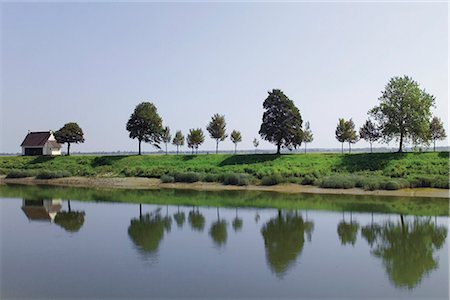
329 170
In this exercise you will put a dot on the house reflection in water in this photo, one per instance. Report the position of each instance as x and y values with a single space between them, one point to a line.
41 210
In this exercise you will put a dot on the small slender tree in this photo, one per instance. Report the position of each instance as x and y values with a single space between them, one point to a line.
195 138
437 131
166 137
255 143
235 138
178 140
350 136
145 124
69 133
217 129
307 135
341 133
370 133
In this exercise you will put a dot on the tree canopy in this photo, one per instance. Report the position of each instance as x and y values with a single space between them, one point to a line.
235 138
404 111
281 122
165 136
307 136
145 125
178 140
370 133
437 131
195 138
217 129
69 133
345 132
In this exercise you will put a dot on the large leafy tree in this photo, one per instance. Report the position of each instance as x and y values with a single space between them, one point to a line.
404 111
165 136
70 133
437 131
217 129
307 135
235 138
178 140
370 133
145 125
281 122
195 138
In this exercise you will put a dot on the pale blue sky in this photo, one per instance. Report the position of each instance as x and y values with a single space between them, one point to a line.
92 63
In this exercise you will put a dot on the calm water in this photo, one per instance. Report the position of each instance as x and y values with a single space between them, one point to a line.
54 248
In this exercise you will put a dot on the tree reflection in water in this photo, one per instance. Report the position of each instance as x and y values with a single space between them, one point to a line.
284 238
196 220
218 231
237 223
347 231
147 231
406 248
179 217
70 220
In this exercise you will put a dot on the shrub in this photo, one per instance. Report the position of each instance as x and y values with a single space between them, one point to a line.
45 174
308 179
271 179
338 182
167 179
234 179
20 173
211 178
188 177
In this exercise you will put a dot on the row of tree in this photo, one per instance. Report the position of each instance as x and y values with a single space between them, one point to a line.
404 114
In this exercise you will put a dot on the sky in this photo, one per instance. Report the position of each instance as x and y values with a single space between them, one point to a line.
92 63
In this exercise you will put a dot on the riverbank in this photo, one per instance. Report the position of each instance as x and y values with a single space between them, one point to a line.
153 184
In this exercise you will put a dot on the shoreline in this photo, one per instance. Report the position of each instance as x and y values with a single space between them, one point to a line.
153 183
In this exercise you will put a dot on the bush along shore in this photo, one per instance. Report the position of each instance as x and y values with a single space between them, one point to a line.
369 171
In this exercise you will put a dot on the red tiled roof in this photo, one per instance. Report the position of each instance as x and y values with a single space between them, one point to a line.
34 139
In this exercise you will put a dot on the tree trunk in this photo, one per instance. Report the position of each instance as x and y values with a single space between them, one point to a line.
400 149
166 148
371 147
305 147
235 148
342 147
68 149
217 146
403 223
68 204
278 148
177 149
140 147
140 211
434 145
349 147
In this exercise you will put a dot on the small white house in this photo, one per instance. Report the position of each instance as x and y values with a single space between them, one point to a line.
40 143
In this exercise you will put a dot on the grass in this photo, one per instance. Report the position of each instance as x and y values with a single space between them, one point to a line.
364 170
255 199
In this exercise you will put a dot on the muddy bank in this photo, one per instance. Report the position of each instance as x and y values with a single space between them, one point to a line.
152 183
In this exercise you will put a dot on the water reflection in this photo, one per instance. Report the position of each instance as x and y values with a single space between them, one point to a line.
180 218
70 220
284 238
406 248
347 231
41 210
218 231
147 231
237 223
196 220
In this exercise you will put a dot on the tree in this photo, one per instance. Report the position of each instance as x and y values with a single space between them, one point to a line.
235 138
350 134
341 133
145 124
281 122
255 143
370 133
437 131
217 128
195 138
178 140
403 112
165 136
69 133
307 135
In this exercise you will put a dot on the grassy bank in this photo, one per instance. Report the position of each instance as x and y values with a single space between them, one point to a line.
328 170
255 199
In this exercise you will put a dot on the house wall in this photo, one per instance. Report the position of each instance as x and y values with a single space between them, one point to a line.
48 150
